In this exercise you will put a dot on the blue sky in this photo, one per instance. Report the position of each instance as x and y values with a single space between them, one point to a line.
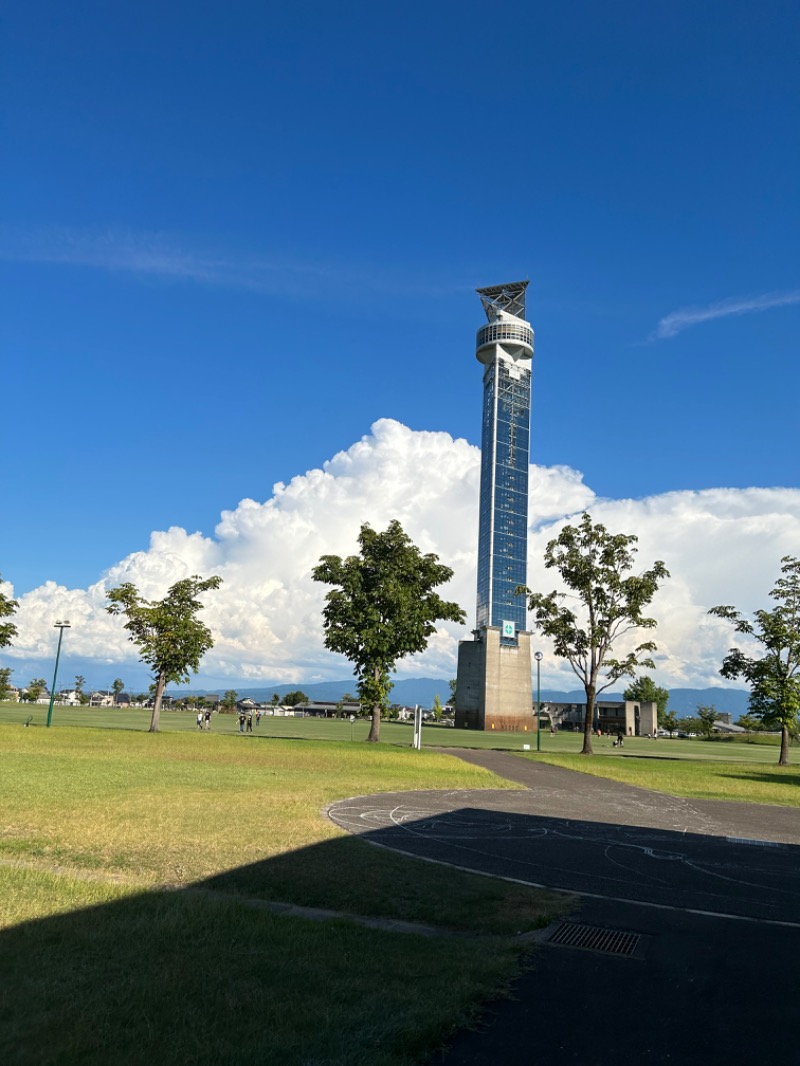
235 235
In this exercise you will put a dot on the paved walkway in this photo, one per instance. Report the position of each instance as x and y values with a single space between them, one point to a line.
711 889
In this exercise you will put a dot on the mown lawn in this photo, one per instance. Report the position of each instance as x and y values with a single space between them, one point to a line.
744 782
111 954
759 748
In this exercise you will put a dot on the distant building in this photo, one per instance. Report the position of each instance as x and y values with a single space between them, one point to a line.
101 698
328 708
631 718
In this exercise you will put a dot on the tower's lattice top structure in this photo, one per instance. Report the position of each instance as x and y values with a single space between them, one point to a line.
509 297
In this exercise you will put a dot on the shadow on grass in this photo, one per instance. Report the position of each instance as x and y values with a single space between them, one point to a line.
211 977
789 775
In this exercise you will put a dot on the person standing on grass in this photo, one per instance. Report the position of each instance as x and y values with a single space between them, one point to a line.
208 720
199 719
258 717
250 722
241 721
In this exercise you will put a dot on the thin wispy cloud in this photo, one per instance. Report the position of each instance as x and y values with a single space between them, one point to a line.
159 257
677 321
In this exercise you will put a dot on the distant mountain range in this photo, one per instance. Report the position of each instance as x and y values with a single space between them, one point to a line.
423 690
407 691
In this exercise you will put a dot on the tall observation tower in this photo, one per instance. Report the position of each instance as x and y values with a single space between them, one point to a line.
494 670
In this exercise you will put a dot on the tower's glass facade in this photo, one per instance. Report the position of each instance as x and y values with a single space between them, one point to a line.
505 348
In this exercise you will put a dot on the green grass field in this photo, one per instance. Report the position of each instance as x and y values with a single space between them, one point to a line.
743 781
134 869
763 749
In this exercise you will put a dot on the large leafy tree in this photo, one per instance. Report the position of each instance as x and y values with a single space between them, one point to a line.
645 690
774 678
169 636
292 699
5 683
83 697
118 687
606 604
7 629
382 607
37 686
707 716
670 722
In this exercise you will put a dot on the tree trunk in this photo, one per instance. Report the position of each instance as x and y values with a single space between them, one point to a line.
161 684
375 725
588 721
783 758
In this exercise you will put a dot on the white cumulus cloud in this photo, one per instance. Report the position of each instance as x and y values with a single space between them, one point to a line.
721 546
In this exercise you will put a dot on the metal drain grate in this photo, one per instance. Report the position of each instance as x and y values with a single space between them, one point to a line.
757 843
590 938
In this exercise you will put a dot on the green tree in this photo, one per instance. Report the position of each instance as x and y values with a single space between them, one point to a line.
80 681
5 682
453 692
275 699
707 716
645 690
437 708
750 723
690 725
383 607
37 686
291 699
118 687
170 639
229 700
7 629
774 678
670 722
594 565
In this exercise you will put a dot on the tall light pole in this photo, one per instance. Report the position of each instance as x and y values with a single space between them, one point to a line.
538 657
60 626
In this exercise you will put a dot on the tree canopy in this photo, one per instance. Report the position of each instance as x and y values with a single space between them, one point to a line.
7 629
169 636
37 686
645 690
774 678
609 605
292 699
382 608
5 682
706 717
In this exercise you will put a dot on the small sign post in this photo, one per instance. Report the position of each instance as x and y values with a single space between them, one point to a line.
417 728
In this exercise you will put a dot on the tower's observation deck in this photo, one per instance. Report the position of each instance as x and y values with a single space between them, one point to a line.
505 308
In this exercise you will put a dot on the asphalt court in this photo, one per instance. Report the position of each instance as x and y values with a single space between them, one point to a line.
582 834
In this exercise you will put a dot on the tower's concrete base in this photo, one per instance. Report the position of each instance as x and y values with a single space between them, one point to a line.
494 688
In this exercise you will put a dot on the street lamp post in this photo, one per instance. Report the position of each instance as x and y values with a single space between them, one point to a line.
538 657
60 626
